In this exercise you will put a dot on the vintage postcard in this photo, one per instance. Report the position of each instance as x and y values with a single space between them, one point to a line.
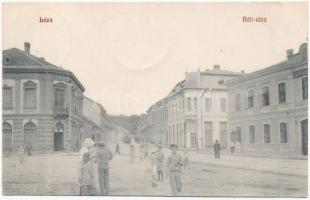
187 99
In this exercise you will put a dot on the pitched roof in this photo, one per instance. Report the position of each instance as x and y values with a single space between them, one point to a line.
22 61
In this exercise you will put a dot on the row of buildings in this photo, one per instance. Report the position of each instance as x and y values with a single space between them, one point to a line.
263 112
43 105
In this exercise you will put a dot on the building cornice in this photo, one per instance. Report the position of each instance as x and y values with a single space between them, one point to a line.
31 69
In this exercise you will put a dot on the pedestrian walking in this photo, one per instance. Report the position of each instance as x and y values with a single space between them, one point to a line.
29 149
153 158
132 153
21 154
217 148
186 160
174 164
86 176
104 156
159 164
117 149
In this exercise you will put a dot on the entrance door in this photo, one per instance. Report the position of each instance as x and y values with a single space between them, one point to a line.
6 137
304 135
58 141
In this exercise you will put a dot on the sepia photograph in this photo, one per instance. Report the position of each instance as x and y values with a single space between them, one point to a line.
205 99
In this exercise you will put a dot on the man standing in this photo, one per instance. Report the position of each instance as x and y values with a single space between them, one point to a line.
159 161
217 148
117 149
174 164
104 155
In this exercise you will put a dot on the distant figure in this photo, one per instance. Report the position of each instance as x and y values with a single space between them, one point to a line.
21 154
232 147
186 160
141 151
153 158
174 164
132 153
29 149
159 164
217 148
104 156
86 176
117 149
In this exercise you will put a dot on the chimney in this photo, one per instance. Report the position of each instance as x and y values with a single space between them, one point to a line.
27 47
216 67
289 52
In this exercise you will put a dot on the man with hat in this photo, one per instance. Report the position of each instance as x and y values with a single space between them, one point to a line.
174 164
104 155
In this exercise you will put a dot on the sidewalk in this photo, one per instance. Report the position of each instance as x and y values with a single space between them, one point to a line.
291 167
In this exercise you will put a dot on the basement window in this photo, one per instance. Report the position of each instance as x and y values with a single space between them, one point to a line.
7 60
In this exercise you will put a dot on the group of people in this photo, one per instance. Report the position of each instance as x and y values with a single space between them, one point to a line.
94 165
21 152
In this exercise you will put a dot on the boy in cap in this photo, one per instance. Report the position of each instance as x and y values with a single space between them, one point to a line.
104 155
174 164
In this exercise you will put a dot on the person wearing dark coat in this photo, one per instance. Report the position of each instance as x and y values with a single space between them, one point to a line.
217 148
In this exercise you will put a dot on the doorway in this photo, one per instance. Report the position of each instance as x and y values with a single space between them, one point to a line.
58 141
304 136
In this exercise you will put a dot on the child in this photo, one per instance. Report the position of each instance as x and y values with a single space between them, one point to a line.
86 176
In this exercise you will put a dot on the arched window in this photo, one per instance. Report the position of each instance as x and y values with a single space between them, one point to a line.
58 137
6 137
30 135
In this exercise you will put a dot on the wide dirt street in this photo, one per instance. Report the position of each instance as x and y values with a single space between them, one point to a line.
56 174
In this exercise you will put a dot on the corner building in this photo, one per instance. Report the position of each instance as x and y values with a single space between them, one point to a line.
43 105
268 109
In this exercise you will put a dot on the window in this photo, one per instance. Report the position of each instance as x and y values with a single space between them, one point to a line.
283 132
30 98
304 88
30 95
208 104
7 97
189 103
265 96
222 105
282 93
7 60
237 102
266 133
60 98
252 134
208 128
250 98
195 103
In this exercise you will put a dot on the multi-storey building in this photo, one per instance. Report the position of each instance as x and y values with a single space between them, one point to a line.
194 114
268 109
43 105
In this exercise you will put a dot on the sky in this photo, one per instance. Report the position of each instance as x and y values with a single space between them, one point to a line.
130 55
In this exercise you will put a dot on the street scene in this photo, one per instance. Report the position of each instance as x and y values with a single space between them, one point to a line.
155 99
205 176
